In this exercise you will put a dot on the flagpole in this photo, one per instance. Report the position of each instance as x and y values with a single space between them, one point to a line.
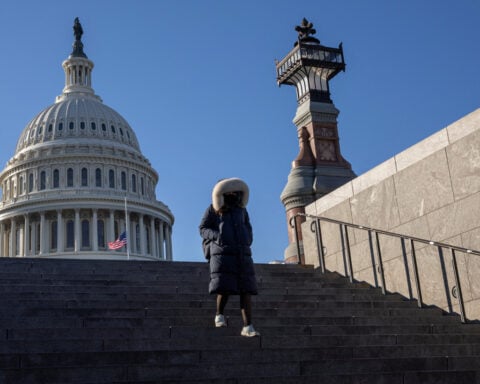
126 230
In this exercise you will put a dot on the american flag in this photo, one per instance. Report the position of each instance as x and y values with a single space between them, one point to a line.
119 243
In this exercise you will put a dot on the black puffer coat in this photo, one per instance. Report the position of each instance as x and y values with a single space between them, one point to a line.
231 264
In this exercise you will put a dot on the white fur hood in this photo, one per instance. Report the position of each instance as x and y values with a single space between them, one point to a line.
233 184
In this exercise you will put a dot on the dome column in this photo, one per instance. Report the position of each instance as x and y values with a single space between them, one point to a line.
11 245
169 242
42 233
34 238
60 236
2 239
26 236
95 231
77 231
142 235
153 251
162 240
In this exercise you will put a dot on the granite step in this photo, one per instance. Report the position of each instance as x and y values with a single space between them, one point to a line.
65 321
443 335
244 373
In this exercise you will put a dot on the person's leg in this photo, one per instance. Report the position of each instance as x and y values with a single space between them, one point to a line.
222 300
221 303
246 308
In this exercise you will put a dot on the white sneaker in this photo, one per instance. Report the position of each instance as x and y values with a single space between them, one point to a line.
249 331
220 321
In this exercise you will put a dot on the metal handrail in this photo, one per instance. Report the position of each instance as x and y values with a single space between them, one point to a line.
315 227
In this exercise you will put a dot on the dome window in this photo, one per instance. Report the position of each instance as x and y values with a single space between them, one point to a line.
82 125
84 177
21 185
30 182
93 126
40 130
134 184
98 177
43 180
121 131
104 127
111 178
56 179
71 125
70 177
128 135
113 128
50 127
60 126
124 181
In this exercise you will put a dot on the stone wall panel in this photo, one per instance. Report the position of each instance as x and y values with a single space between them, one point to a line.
423 187
429 191
376 206
454 219
464 163
395 278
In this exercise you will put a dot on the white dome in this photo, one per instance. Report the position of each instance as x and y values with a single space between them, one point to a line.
78 116
76 167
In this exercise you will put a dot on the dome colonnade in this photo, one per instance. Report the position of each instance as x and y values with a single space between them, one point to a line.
78 180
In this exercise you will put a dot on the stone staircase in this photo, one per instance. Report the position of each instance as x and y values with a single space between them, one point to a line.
70 321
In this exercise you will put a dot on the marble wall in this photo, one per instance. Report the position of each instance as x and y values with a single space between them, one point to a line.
429 191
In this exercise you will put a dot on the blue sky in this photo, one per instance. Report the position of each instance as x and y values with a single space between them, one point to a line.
196 82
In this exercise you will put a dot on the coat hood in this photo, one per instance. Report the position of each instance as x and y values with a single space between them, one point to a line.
233 184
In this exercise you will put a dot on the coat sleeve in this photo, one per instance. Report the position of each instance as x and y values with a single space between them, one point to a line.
248 228
209 225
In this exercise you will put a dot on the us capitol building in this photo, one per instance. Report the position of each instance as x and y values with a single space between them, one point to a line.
78 180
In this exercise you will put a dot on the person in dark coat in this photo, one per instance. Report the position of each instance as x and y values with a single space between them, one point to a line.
227 236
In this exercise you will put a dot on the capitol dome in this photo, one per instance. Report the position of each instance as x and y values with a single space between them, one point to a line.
78 181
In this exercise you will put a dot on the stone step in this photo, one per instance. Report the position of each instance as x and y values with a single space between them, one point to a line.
233 317
122 303
261 298
199 312
66 267
424 377
64 321
79 333
209 341
366 370
9 285
157 285
218 356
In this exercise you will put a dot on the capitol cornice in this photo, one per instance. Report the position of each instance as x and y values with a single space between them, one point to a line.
17 165
58 200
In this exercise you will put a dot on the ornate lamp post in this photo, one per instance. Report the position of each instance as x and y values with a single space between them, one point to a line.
319 167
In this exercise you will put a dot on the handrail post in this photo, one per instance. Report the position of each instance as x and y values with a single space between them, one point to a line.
295 230
315 227
459 288
380 264
349 255
415 272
